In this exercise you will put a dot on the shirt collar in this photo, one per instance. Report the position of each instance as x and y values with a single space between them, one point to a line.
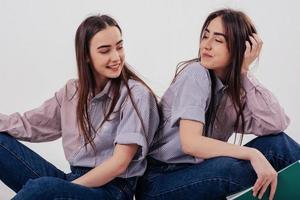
219 85
106 92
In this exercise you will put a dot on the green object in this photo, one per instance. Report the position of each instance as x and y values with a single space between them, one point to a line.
288 186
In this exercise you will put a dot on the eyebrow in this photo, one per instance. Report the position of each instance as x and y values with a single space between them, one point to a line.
216 33
106 46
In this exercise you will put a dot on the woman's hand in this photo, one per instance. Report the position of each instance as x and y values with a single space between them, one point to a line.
266 175
251 52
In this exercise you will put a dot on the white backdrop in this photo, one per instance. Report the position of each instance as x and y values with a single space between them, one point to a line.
37 49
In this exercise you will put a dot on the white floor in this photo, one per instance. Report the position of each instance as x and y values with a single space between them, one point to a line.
5 192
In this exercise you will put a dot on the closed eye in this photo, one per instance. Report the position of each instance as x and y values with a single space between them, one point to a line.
104 51
120 47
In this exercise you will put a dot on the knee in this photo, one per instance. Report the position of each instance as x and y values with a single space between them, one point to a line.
35 189
5 137
7 141
277 140
42 185
280 144
273 140
279 136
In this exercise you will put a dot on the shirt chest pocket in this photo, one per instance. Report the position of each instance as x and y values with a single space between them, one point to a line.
106 133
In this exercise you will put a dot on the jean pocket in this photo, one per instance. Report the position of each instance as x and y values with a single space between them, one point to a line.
123 189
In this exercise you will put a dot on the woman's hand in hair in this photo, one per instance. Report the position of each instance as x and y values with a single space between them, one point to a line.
252 52
266 175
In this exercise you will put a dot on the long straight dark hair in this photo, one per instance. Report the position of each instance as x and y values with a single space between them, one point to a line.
238 27
86 79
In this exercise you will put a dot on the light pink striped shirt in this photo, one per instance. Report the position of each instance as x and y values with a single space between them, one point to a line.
57 118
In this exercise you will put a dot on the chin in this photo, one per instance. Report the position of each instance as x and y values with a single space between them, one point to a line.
114 75
205 65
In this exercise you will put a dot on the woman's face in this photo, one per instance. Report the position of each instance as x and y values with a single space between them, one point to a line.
213 48
107 54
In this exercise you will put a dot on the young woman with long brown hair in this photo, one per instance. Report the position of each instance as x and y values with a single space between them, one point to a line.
106 118
210 98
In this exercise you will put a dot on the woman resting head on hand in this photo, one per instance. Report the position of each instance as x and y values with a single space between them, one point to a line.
210 98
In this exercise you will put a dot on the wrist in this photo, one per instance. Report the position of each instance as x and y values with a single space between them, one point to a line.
255 154
244 71
78 182
249 81
252 153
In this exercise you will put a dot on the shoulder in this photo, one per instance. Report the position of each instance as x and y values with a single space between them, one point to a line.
142 97
68 90
138 89
72 83
71 86
196 67
195 70
193 73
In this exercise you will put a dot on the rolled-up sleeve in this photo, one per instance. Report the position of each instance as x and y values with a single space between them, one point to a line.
192 91
37 125
263 113
131 130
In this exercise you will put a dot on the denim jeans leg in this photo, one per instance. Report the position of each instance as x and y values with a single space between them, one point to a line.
217 177
18 163
279 149
51 188
212 179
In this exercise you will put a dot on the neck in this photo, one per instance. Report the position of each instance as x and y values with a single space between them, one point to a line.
220 74
100 84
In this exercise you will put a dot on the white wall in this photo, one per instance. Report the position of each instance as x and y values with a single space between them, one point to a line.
37 48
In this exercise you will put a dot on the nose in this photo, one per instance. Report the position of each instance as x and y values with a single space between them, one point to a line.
207 44
114 56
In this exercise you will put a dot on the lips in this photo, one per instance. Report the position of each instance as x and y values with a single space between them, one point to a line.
114 67
206 55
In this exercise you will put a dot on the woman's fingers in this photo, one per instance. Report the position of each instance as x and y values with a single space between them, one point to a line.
248 49
263 189
259 44
262 184
259 184
252 51
254 45
273 188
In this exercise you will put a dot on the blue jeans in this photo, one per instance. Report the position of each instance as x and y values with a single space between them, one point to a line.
214 178
32 177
